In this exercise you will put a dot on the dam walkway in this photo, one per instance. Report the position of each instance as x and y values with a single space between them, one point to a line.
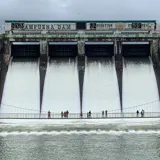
131 112
78 116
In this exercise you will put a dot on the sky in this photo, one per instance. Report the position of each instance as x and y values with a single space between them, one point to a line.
79 10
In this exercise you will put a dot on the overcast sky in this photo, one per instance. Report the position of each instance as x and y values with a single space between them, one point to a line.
79 9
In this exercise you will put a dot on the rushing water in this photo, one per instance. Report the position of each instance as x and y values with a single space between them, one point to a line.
81 140
21 89
61 88
139 85
100 91
80 147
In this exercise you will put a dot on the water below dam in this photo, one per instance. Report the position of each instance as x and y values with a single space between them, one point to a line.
100 91
139 85
80 140
21 89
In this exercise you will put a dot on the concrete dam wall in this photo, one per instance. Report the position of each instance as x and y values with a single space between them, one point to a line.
91 80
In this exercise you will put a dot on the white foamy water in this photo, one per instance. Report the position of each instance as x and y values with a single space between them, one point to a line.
100 91
83 132
22 88
140 86
76 122
61 88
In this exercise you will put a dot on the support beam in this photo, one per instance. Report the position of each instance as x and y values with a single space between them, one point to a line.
155 46
81 47
43 67
4 59
81 68
119 67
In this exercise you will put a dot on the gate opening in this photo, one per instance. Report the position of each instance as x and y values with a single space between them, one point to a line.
99 49
25 49
136 49
63 49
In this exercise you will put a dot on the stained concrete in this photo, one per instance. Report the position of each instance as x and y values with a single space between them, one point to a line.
4 62
42 72
155 55
3 73
81 68
119 69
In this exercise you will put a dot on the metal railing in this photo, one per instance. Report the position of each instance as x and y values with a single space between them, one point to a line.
130 112
78 116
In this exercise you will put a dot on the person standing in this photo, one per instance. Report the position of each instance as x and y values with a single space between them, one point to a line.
81 114
143 112
62 114
106 112
49 114
102 114
137 113
67 112
90 114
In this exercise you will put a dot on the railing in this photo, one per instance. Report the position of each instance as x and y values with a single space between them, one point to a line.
78 116
130 112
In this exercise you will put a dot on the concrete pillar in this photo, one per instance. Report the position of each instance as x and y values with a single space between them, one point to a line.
43 66
7 51
158 51
81 67
115 47
156 58
5 58
158 46
43 47
120 47
154 51
81 47
119 67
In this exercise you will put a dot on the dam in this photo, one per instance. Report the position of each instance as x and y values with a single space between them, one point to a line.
79 66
